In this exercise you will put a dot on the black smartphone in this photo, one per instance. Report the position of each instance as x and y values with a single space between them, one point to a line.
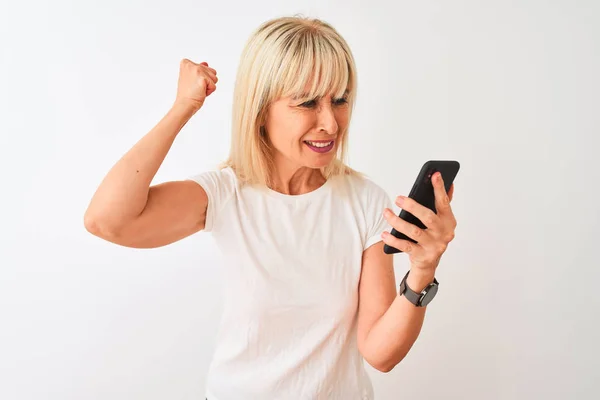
422 192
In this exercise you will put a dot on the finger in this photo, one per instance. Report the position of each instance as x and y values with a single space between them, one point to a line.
213 77
442 200
410 230
210 87
212 70
403 245
424 214
451 192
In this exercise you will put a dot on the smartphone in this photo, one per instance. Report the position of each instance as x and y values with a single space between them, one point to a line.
422 192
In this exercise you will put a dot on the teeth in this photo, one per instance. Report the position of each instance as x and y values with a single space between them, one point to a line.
319 144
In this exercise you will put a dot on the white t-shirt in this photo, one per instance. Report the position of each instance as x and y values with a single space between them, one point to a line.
292 266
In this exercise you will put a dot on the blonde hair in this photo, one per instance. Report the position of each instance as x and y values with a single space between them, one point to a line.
280 59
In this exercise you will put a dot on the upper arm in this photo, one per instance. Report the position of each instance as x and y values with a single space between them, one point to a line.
377 285
377 290
173 211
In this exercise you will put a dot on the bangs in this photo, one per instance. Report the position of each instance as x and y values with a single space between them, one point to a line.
313 67
306 59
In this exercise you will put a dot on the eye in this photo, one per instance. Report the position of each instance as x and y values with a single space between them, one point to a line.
309 104
313 103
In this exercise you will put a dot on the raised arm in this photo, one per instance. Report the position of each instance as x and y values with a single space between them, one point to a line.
128 211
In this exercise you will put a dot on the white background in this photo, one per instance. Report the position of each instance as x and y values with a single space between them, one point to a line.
509 89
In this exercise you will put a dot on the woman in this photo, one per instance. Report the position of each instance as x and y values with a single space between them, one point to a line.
309 293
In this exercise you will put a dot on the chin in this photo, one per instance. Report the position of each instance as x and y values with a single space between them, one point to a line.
321 162
315 160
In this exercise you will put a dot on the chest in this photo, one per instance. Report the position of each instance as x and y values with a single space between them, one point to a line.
295 254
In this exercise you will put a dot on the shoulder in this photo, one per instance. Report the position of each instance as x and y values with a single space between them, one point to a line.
222 180
363 187
367 200
225 175
219 184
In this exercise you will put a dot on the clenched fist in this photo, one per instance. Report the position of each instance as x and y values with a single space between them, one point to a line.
196 82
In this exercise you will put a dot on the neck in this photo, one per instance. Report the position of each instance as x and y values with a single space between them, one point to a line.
292 180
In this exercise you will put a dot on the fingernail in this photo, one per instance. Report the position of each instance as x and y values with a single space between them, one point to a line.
400 200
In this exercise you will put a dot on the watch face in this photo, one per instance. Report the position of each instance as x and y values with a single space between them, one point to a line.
431 292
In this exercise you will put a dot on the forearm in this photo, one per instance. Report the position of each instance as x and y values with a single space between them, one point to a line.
393 335
123 193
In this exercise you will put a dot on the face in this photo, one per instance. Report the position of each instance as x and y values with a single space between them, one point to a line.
306 133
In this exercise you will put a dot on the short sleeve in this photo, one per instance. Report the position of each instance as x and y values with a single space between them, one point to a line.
378 200
219 187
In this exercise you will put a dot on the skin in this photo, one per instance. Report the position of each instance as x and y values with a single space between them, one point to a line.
388 324
289 123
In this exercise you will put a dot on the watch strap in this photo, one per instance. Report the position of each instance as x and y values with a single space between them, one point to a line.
412 296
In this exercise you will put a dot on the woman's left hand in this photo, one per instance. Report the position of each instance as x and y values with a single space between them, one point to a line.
433 241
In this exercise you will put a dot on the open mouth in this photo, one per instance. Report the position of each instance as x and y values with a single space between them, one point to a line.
320 146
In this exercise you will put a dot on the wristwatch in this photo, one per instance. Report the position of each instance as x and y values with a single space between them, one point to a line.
419 299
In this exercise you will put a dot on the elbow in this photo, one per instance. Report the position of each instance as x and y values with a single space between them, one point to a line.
385 368
94 226
389 364
381 366
90 224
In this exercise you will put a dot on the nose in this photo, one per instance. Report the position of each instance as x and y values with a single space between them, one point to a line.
327 120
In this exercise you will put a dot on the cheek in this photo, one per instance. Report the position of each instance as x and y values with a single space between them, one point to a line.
288 137
293 132
342 117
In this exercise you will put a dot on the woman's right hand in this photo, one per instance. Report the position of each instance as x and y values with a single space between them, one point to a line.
196 82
